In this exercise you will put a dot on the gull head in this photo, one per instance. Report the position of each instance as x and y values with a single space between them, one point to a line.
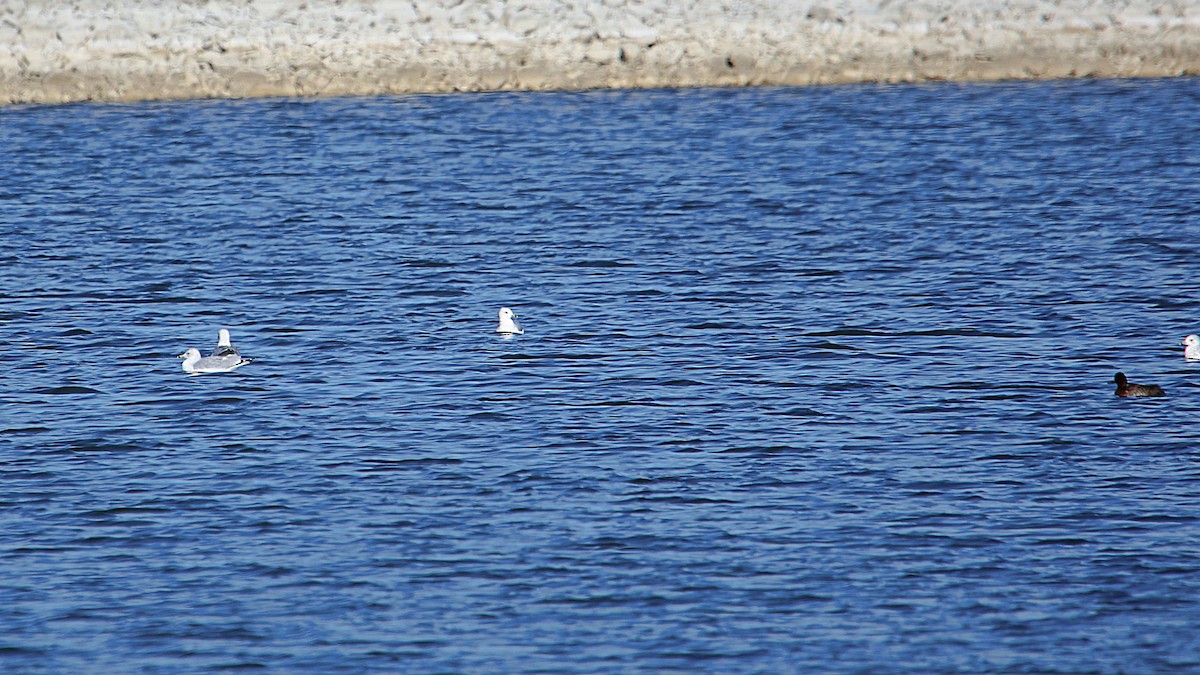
223 338
190 357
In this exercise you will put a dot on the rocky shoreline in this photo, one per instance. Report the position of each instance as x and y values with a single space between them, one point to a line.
127 50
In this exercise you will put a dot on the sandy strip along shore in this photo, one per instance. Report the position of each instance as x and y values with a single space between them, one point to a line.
125 50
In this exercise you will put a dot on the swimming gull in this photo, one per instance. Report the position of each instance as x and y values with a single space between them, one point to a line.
508 323
1191 345
225 358
224 346
1126 388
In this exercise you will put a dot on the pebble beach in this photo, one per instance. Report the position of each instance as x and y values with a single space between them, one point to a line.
129 50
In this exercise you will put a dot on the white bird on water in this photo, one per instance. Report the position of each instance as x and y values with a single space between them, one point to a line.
1191 345
508 322
225 358
224 346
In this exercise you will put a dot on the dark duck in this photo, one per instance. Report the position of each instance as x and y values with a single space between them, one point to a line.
1126 388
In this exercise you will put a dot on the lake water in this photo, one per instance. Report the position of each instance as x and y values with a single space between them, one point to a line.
812 380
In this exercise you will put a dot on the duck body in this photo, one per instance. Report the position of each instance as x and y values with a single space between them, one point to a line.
1127 389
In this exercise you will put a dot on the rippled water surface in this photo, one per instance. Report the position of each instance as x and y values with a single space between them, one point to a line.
812 380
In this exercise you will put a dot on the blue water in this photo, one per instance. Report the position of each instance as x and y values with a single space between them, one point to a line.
813 380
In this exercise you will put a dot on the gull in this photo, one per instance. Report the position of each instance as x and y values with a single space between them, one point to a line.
508 323
225 358
224 346
1191 345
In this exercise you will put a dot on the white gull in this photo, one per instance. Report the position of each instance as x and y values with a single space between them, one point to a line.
1191 345
508 322
225 358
